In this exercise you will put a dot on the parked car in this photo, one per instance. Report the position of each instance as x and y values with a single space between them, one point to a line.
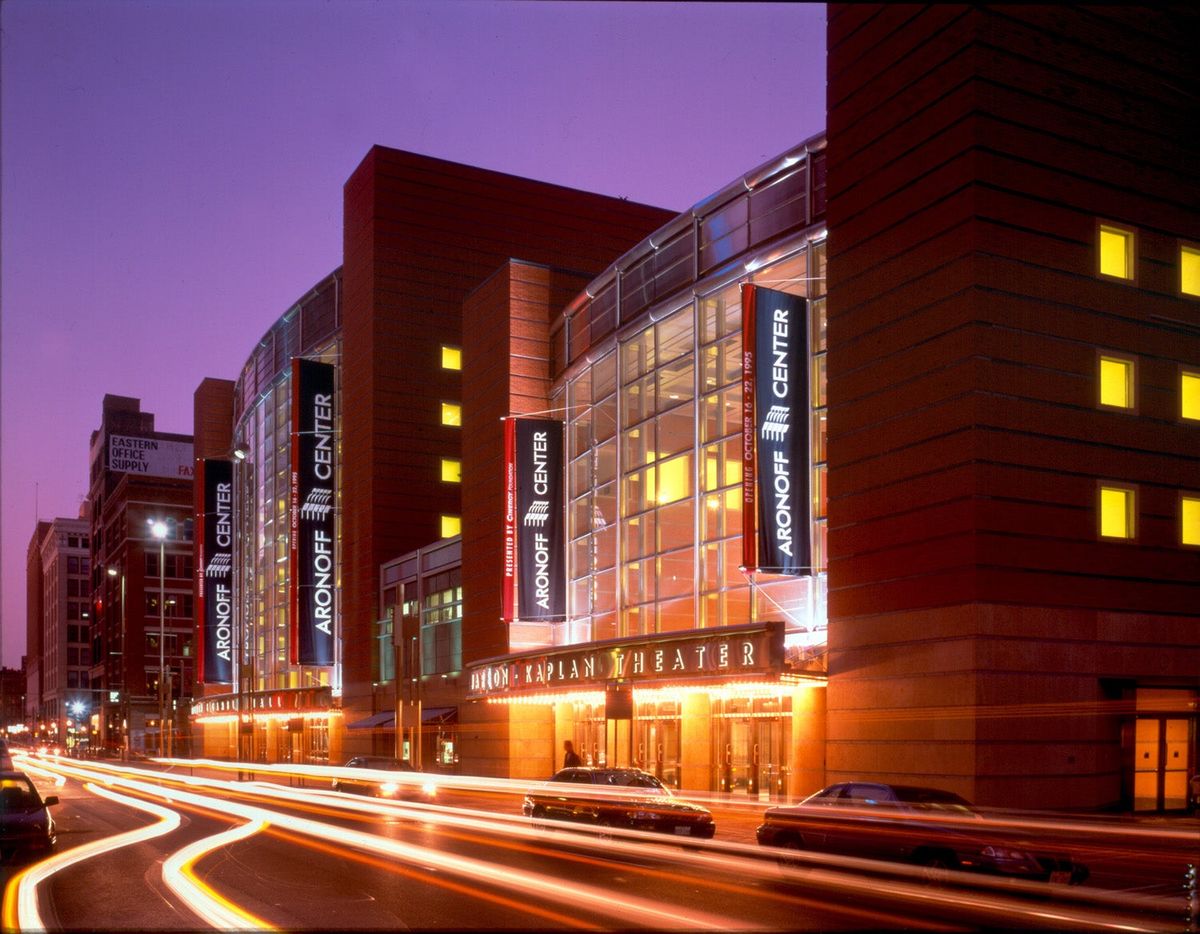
25 822
415 786
629 798
903 823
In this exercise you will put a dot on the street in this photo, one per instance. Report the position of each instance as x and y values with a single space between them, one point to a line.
188 848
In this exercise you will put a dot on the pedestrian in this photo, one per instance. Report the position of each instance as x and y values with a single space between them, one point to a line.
570 756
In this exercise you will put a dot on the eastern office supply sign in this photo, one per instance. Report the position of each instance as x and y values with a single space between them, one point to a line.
534 581
150 457
775 432
214 588
312 519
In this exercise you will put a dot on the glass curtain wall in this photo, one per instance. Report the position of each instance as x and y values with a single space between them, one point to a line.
261 545
654 482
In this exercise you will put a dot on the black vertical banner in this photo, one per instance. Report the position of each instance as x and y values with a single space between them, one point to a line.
313 568
775 332
541 533
215 569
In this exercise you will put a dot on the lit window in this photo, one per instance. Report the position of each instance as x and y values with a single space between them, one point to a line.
451 470
1189 520
451 413
1189 270
451 358
1116 382
1116 252
451 526
1116 512
1189 395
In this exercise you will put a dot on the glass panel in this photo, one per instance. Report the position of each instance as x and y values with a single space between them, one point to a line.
638 401
1116 512
721 314
1175 765
1189 519
638 448
1189 392
604 376
604 418
676 430
638 581
606 462
678 614
674 335
1189 270
637 356
674 479
638 538
1145 765
1116 249
1116 382
675 573
675 383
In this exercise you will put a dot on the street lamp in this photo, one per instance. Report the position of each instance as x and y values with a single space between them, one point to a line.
158 529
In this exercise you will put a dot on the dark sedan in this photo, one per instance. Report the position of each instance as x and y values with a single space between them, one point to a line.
25 822
407 785
903 823
627 798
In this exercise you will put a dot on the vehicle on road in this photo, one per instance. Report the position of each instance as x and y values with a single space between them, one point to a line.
905 823
25 822
410 786
626 798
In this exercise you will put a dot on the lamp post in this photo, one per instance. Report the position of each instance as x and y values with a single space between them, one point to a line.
158 529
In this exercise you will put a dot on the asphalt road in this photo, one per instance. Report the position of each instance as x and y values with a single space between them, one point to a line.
308 859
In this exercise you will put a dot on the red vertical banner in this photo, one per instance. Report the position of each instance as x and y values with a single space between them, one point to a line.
749 450
508 588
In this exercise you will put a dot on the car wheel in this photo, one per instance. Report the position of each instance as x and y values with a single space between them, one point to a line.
788 858
605 831
936 866
537 818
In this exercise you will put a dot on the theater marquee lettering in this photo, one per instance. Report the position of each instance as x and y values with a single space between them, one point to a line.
756 652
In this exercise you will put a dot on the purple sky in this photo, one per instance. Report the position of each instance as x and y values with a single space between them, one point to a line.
172 171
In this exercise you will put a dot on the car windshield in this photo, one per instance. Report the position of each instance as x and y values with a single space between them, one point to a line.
18 794
933 799
633 779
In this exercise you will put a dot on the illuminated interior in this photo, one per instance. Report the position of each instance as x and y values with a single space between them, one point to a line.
1116 252
1116 512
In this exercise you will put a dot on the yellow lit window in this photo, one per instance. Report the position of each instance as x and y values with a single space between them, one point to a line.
1189 270
451 413
1116 252
451 358
1116 512
674 479
451 526
1189 395
1189 518
451 470
1116 382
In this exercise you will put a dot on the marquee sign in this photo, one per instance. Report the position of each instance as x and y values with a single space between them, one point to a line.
150 457
735 652
214 571
535 578
775 432
312 526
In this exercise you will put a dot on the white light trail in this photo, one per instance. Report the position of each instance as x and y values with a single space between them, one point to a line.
24 914
213 908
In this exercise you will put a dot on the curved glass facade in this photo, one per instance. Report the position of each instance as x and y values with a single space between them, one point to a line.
262 432
653 415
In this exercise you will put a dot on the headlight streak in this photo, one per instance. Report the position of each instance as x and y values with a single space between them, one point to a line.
29 767
579 896
20 898
725 859
216 910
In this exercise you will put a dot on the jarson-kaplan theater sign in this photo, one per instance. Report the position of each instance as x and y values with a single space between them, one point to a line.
735 652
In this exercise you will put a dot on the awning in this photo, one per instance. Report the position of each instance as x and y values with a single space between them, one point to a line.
439 715
385 720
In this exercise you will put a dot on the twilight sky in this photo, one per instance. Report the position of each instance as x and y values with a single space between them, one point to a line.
172 171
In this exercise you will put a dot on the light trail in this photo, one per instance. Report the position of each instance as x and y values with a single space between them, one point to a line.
21 910
578 896
216 910
992 899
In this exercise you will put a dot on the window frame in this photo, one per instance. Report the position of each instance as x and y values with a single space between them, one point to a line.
1130 362
1186 246
1131 510
1131 252
1186 373
1194 497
